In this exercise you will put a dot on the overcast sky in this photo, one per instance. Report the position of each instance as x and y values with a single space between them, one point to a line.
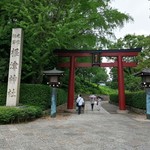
140 11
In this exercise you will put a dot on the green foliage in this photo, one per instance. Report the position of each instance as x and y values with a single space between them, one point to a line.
85 87
40 95
114 98
100 75
105 90
136 99
54 24
34 98
19 114
35 94
93 74
114 76
3 91
61 97
133 99
91 88
132 83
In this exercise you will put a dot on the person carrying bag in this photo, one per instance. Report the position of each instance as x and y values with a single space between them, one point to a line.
79 103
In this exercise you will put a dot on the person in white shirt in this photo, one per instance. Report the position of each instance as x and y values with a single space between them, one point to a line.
80 103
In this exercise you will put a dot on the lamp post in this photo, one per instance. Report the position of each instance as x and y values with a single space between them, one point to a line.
53 76
145 75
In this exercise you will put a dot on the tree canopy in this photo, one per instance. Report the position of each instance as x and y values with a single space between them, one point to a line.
143 59
50 24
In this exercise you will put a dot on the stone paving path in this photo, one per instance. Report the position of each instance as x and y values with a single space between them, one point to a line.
93 130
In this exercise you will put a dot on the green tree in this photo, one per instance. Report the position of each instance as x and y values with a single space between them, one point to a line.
114 78
100 76
50 24
93 75
143 59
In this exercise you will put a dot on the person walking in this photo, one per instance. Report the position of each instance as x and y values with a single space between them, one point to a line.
80 102
99 99
92 100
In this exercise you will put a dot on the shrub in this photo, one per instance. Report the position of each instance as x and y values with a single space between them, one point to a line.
61 97
34 94
3 91
19 114
114 98
92 88
133 99
136 99
33 97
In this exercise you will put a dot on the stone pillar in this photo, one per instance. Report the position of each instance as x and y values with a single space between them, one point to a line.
13 87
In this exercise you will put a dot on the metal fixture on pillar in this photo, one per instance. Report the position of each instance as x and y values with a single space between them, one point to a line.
53 76
145 75
95 59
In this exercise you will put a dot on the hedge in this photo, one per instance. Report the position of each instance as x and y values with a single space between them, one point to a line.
136 99
34 94
19 114
34 98
3 91
133 99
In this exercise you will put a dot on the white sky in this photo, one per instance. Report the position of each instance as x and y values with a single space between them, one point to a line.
140 12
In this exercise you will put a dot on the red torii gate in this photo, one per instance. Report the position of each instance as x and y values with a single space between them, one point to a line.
96 54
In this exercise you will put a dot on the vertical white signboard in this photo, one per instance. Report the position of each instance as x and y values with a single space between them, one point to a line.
15 64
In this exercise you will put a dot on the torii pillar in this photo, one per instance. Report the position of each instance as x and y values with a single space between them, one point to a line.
121 89
71 83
